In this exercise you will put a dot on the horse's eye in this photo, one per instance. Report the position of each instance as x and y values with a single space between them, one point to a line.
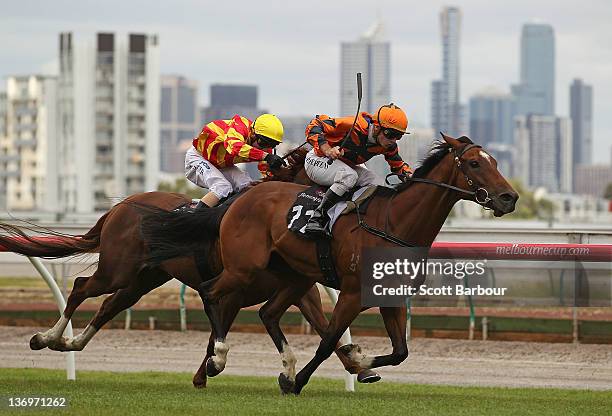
474 164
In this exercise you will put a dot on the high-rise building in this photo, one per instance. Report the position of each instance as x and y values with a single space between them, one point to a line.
544 152
592 179
371 56
565 169
447 112
535 94
5 148
581 113
226 100
29 152
180 121
3 110
233 95
491 117
109 114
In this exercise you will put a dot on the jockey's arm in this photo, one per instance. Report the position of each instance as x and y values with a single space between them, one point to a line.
325 134
396 163
235 145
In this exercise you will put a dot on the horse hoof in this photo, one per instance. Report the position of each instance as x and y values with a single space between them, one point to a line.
198 381
211 369
368 376
285 384
36 342
200 384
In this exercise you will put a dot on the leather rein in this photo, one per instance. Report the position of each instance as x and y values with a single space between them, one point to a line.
398 241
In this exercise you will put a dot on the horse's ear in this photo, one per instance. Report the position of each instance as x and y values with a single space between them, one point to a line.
454 143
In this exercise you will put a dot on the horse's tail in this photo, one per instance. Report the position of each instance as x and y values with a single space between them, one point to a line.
171 234
51 244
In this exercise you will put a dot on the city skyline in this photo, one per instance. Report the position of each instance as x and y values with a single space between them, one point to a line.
291 85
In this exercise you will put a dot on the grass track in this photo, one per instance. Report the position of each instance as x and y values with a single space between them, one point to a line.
104 393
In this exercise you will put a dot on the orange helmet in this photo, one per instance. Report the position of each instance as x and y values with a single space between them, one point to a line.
391 116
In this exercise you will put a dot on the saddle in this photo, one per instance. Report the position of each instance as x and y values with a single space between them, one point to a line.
302 208
308 200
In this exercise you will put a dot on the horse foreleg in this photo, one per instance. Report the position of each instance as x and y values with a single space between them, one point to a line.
349 355
346 310
395 324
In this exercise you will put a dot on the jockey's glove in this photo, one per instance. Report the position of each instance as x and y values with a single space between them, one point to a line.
274 161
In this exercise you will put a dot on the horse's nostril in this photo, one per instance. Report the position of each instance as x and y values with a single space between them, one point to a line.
507 197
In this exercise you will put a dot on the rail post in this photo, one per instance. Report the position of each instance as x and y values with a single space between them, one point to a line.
182 309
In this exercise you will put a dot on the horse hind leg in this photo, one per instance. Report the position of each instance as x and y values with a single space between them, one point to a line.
395 324
199 378
270 315
120 300
83 288
216 352
350 355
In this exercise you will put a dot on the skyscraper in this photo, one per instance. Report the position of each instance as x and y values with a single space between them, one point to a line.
226 100
28 165
180 121
581 113
233 95
109 108
535 93
371 56
544 152
491 115
447 112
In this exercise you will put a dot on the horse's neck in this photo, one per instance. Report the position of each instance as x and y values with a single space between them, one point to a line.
419 212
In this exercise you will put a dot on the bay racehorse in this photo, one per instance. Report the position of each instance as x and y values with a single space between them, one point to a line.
122 272
455 169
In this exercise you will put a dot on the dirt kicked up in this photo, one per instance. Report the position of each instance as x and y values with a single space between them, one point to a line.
431 361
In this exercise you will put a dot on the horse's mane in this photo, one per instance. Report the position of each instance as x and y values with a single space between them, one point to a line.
438 150
295 163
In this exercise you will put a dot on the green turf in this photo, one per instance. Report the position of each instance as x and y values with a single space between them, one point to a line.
22 282
102 393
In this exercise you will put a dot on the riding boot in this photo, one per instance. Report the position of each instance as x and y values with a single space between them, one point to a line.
319 218
201 205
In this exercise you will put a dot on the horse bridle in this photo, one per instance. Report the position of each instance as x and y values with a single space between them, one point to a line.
457 158
469 181
481 201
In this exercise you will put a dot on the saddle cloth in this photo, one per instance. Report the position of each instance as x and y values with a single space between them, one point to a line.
308 200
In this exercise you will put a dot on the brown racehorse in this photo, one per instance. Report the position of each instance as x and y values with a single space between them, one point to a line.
123 273
415 213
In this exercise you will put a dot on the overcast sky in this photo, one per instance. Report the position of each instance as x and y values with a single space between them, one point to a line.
291 49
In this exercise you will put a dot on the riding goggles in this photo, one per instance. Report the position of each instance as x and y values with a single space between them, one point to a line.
266 142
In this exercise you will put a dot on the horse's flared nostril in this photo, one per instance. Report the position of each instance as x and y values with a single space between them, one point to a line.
508 197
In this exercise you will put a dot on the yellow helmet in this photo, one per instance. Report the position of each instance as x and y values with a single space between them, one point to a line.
268 125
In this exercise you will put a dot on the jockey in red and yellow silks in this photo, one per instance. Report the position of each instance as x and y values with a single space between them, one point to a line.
210 163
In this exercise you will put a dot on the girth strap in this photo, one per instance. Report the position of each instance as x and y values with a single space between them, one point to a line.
326 263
